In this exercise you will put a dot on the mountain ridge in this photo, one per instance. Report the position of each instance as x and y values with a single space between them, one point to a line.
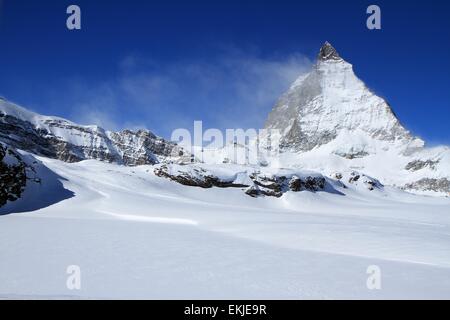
65 140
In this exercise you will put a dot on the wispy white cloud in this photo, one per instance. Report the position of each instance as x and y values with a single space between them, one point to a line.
234 89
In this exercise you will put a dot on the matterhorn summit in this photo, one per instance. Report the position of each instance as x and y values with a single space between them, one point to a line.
332 121
328 52
330 102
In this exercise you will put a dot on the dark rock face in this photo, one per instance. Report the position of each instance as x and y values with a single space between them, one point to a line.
328 52
12 175
256 191
126 147
23 135
428 184
353 155
354 177
143 147
275 186
313 183
419 164
369 182
272 186
258 184
201 178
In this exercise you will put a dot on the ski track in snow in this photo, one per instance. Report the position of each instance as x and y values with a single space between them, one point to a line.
130 217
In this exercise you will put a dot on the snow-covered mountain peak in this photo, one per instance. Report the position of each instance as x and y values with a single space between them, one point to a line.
329 120
331 100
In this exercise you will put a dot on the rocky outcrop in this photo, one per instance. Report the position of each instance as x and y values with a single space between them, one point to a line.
275 186
26 183
352 155
308 183
441 185
197 177
13 176
357 179
419 164
254 184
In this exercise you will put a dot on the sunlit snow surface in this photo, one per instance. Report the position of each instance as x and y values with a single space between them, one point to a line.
135 235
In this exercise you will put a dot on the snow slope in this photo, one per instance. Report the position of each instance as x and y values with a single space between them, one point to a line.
136 235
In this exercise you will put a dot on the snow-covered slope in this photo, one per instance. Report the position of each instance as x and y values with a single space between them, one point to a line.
58 138
136 235
330 121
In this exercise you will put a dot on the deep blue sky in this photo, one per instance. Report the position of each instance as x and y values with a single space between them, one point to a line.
164 64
